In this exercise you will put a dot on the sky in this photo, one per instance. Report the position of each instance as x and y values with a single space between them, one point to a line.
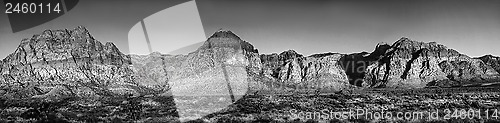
471 27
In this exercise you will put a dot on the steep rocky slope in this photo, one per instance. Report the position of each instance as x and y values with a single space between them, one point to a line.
410 64
65 62
355 64
492 61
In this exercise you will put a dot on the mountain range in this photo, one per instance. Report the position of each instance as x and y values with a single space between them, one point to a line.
61 63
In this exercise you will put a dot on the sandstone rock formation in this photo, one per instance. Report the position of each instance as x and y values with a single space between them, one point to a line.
413 64
492 61
319 72
67 63
468 72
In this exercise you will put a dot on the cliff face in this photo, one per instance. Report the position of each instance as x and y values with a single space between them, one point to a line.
273 63
409 64
492 61
468 72
66 63
321 72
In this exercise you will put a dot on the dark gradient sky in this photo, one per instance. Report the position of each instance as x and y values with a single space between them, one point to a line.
470 26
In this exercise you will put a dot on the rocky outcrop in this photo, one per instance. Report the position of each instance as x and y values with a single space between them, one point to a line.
66 60
290 70
492 61
468 72
272 63
413 64
155 70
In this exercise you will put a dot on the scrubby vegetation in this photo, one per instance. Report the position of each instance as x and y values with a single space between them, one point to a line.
110 109
265 107
295 107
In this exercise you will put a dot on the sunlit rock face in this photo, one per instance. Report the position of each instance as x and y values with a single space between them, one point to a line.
219 60
292 71
413 64
65 62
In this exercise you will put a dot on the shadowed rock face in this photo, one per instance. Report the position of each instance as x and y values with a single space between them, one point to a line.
355 64
492 61
272 63
409 64
66 62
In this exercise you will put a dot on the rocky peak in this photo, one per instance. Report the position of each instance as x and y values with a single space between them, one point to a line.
380 50
408 44
289 54
58 63
490 57
222 33
227 39
406 48
64 44
409 63
492 61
